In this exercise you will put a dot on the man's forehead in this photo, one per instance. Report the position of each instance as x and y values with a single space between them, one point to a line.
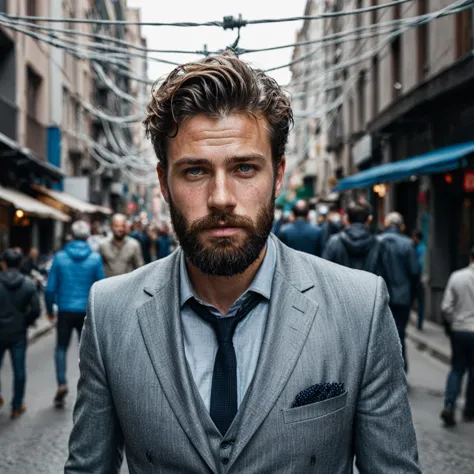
234 129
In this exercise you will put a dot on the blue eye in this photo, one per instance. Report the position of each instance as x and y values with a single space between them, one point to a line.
246 168
193 171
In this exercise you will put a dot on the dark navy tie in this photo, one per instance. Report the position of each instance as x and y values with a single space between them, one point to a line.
224 379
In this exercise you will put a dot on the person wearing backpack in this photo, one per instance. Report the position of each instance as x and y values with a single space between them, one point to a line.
355 246
19 308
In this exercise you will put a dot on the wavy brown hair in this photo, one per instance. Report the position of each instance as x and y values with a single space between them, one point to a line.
216 86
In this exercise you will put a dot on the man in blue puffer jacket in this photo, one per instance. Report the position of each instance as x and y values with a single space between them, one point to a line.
75 269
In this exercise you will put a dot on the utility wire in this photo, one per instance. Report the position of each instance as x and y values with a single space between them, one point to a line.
227 23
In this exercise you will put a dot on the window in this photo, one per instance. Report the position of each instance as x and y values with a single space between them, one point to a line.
351 116
33 84
373 16
396 68
31 8
361 98
375 86
464 32
3 6
423 42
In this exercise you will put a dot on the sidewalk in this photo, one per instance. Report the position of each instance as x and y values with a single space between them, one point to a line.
432 339
42 327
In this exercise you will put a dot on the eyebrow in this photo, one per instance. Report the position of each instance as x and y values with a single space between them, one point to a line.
230 160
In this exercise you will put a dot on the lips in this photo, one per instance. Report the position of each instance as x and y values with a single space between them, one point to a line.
223 231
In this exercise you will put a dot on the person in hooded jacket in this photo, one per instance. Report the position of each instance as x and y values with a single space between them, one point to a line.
355 246
75 269
20 307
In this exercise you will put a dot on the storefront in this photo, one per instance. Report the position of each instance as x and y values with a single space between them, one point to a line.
23 221
435 193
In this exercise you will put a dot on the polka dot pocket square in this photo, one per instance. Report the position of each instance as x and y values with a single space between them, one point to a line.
318 393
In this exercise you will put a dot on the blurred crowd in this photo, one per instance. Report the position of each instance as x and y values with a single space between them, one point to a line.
62 284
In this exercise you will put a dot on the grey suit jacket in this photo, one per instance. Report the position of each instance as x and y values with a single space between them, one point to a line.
326 324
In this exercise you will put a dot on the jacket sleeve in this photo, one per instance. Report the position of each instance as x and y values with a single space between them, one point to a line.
35 307
414 266
138 256
329 249
449 300
96 442
385 439
100 274
52 286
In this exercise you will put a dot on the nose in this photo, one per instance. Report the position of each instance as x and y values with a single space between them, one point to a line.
221 193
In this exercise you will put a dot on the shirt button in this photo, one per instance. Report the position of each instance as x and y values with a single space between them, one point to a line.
225 461
226 445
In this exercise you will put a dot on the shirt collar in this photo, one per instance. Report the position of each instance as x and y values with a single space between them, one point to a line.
262 282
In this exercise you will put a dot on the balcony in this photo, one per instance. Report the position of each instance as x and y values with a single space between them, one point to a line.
8 118
36 137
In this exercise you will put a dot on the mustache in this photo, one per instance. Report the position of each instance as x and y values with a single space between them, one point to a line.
227 219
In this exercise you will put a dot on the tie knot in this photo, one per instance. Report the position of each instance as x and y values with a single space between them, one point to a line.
225 327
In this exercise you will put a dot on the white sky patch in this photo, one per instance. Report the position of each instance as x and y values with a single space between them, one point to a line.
252 36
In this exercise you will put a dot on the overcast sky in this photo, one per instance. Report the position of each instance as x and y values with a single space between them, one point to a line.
253 36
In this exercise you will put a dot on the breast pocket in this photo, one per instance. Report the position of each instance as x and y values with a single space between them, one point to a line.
315 410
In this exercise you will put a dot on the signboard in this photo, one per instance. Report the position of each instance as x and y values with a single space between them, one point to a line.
469 181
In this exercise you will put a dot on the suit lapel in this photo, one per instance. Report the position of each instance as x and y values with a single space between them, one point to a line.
160 324
290 318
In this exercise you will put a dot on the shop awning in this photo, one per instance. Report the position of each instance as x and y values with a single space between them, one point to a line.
30 205
436 161
72 202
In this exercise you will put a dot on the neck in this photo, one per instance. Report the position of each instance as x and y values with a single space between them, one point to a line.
222 291
117 242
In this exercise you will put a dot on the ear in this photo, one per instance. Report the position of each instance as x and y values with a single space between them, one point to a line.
280 173
163 181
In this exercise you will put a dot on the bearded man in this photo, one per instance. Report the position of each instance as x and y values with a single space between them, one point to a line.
236 354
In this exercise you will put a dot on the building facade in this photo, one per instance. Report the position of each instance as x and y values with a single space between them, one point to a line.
407 92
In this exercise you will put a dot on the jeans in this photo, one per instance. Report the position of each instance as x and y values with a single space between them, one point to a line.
401 314
67 322
462 344
18 358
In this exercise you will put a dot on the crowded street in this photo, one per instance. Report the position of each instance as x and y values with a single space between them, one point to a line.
38 442
237 237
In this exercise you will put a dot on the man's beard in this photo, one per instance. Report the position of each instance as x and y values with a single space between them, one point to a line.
119 237
223 256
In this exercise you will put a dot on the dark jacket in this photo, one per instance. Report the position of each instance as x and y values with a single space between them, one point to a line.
355 247
400 259
163 246
302 236
145 242
19 307
75 269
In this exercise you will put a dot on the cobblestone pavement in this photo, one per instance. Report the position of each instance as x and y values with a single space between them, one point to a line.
37 443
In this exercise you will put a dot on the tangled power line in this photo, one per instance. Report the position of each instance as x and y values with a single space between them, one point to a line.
108 54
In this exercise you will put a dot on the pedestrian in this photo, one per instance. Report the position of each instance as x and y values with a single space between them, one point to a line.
31 262
236 354
301 235
458 310
163 241
75 269
120 253
140 233
329 224
19 308
355 246
401 263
